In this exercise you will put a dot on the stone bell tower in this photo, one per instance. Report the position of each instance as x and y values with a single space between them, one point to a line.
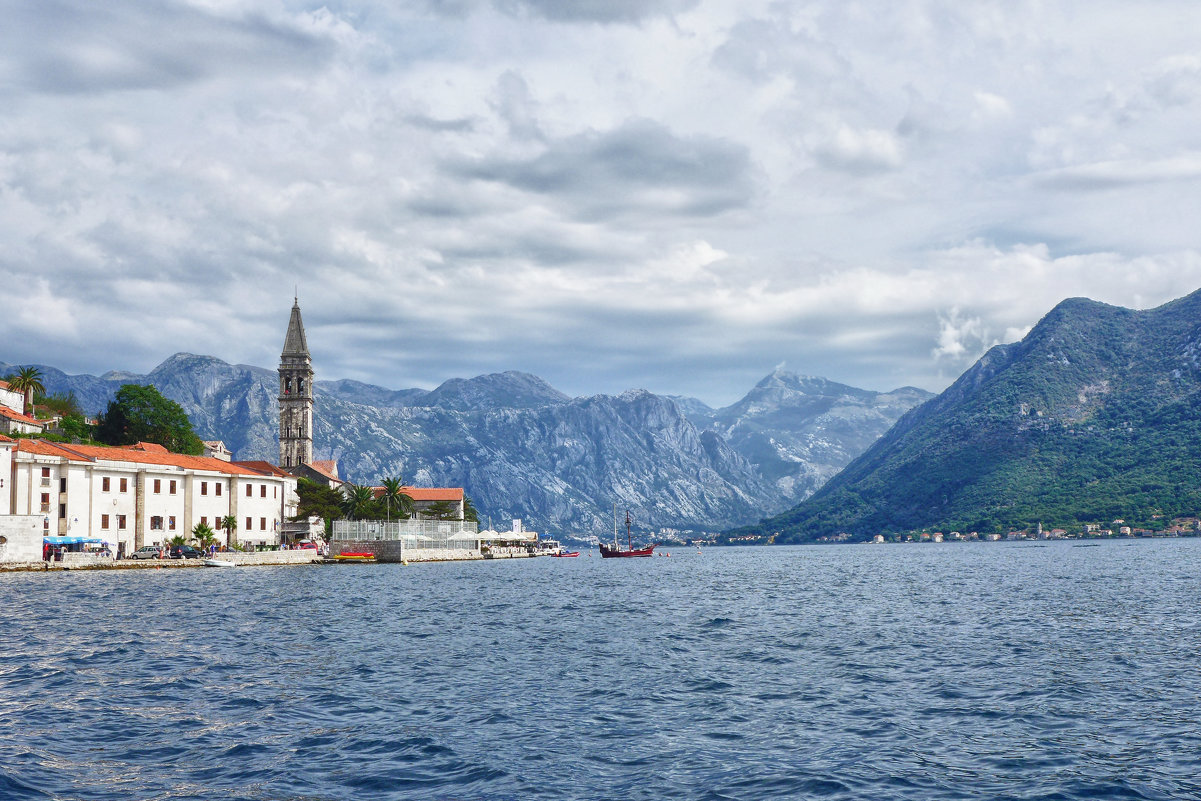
295 396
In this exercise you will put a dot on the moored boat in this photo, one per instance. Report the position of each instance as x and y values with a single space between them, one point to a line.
355 556
218 563
566 553
630 551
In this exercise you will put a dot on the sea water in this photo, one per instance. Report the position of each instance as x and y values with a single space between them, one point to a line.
987 670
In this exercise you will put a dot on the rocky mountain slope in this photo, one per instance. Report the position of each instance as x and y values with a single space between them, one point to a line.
1094 416
523 449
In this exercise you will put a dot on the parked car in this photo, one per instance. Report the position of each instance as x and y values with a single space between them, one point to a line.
145 552
306 546
185 552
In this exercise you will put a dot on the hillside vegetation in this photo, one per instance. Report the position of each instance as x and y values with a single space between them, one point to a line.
1094 416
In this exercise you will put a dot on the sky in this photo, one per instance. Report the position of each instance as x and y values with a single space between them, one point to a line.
676 195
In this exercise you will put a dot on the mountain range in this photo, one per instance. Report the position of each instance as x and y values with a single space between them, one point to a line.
1093 417
522 449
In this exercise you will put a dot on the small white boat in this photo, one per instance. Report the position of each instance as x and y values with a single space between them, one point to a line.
218 563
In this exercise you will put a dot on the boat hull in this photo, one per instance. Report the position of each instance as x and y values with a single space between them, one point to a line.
617 553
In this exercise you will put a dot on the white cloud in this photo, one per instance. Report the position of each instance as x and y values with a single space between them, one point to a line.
675 194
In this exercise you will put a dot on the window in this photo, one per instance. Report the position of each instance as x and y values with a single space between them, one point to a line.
250 524
45 472
158 486
218 489
263 491
62 484
156 523
204 521
125 485
262 524
275 492
106 484
121 522
103 521
249 491
171 520
45 502
171 487
204 488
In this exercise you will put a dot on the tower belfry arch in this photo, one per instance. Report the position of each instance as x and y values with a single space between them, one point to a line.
295 395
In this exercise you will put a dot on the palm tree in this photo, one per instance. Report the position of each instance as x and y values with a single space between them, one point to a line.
28 381
358 501
203 535
230 524
394 496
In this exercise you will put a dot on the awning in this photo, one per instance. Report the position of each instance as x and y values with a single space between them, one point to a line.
72 541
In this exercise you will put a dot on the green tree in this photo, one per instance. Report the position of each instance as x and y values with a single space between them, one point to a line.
469 512
27 381
359 503
441 510
203 535
318 500
230 524
141 414
395 500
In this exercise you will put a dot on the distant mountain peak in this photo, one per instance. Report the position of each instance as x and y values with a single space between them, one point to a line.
1093 415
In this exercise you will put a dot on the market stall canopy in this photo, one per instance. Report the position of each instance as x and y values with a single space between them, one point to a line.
72 541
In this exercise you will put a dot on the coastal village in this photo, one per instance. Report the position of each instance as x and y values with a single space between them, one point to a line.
71 505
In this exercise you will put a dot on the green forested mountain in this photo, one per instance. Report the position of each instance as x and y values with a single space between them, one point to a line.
1094 416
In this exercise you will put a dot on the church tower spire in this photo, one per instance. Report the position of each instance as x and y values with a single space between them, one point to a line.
295 395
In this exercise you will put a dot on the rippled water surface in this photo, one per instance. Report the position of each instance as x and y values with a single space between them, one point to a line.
1022 671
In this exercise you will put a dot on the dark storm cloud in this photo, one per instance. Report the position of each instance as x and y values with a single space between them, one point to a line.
639 167
59 46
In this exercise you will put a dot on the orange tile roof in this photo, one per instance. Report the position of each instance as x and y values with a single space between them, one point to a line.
149 447
6 439
4 385
93 453
328 469
20 418
265 467
427 493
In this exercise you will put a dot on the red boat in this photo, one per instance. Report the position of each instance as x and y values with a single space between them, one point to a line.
616 552
566 553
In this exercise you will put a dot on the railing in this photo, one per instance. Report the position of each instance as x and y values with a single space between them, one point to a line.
432 534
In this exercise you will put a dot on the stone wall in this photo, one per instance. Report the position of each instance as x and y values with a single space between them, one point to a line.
384 550
22 538
296 557
441 554
393 551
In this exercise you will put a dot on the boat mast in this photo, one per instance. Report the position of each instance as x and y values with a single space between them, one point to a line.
629 539
615 526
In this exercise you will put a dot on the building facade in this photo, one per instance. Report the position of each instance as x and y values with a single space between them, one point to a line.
144 495
295 396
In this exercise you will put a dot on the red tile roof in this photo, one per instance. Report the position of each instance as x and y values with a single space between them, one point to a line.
149 447
328 469
20 418
6 439
265 467
427 493
93 453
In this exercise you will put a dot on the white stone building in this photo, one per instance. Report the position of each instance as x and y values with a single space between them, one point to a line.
143 494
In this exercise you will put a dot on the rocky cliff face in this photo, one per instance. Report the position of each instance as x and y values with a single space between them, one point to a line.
523 449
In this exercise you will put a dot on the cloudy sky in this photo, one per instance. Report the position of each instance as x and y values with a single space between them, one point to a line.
680 195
